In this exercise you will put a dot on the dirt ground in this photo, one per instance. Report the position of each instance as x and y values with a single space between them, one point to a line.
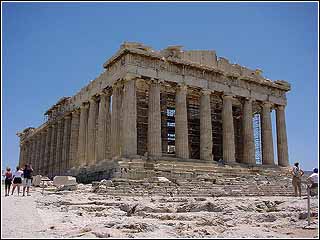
84 214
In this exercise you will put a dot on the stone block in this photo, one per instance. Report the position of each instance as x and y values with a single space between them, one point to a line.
64 180
36 181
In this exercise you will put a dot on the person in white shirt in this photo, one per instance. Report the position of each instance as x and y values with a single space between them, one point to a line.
313 178
17 180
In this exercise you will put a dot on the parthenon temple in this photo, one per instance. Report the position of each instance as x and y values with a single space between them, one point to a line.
149 106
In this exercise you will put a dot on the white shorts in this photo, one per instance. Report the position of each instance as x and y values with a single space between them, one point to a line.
26 182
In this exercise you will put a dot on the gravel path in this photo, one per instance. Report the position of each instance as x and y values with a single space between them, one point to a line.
20 218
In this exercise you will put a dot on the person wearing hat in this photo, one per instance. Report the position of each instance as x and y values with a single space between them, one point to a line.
296 173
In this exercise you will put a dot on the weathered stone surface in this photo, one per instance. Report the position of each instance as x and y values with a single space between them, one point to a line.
172 104
36 181
64 180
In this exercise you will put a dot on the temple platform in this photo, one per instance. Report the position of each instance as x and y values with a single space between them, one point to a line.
191 177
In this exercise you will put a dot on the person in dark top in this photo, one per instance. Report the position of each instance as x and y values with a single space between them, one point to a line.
27 178
7 180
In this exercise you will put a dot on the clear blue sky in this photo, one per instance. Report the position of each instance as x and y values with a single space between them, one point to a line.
50 50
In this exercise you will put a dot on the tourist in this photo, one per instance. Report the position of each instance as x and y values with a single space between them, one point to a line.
27 179
296 173
7 180
313 179
17 180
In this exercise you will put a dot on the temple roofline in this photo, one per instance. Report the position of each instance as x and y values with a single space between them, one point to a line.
147 51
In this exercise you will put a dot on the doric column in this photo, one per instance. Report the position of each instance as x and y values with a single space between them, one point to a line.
47 151
38 159
282 143
129 121
42 152
154 120
33 150
58 157
74 139
205 126
82 143
103 133
115 120
181 120
91 145
29 151
66 144
21 154
228 141
53 149
248 141
266 133
25 154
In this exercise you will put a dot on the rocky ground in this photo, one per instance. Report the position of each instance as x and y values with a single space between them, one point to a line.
85 214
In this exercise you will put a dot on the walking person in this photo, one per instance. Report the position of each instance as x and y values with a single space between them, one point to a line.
17 180
7 180
27 179
297 173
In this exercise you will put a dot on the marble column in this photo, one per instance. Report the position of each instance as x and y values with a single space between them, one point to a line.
154 120
25 156
58 157
205 127
266 133
38 159
66 144
42 153
53 150
74 139
29 158
103 133
282 142
116 120
248 140
21 155
181 121
83 128
47 151
91 145
228 140
129 121
33 150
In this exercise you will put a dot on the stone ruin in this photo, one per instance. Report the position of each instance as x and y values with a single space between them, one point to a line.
191 117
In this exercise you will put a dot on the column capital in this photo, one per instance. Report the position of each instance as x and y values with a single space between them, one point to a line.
206 91
76 111
131 76
117 84
84 105
68 116
182 86
267 104
280 107
248 99
227 96
105 92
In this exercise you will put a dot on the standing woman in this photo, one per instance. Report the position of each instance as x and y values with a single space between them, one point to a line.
17 180
7 180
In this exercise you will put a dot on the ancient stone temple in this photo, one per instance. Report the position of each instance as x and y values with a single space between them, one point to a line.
159 110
